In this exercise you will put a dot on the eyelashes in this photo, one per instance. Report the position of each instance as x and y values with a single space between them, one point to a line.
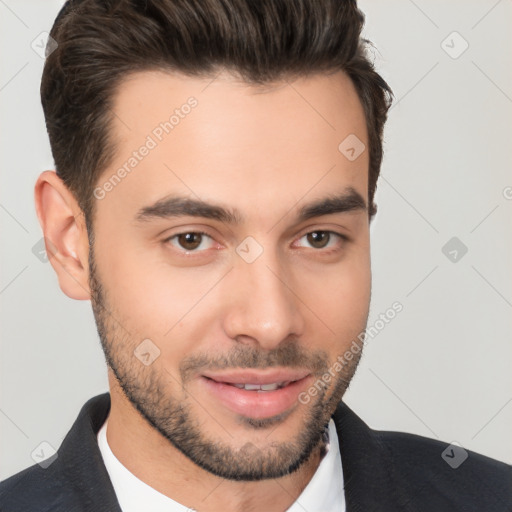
183 237
320 240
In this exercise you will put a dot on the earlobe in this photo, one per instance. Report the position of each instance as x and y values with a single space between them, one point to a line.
65 234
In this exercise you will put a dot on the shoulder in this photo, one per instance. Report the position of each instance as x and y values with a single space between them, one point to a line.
34 488
428 466
75 479
388 470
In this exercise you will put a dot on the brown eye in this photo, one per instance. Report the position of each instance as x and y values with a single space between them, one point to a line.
319 239
190 241
323 239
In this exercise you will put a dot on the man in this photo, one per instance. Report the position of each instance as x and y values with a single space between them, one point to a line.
216 169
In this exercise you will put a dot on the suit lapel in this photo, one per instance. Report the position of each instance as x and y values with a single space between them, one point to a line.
367 466
80 461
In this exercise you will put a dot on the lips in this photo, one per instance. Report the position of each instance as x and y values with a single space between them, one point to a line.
256 394
255 377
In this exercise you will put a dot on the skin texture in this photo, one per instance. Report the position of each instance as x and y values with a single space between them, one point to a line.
265 152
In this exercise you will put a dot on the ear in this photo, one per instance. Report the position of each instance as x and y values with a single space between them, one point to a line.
373 212
65 234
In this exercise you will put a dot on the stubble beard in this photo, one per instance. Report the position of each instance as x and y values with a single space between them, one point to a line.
172 416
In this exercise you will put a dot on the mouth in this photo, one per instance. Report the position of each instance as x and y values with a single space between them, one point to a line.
256 394
262 387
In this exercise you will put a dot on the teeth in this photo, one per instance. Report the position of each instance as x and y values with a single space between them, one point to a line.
261 387
269 387
251 387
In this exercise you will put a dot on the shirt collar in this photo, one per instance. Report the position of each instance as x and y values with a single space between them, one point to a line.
324 492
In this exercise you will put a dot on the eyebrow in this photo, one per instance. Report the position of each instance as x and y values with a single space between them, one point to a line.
179 206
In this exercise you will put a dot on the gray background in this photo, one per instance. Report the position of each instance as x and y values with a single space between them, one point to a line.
442 367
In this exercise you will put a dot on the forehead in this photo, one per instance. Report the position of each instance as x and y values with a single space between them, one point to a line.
217 138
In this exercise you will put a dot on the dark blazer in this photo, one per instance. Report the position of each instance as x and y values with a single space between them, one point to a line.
383 471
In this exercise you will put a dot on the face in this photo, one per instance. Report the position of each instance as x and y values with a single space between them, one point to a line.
230 271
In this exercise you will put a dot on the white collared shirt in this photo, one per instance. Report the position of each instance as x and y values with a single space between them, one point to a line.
323 493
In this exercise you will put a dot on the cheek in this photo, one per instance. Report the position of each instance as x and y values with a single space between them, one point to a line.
340 297
154 300
176 307
354 297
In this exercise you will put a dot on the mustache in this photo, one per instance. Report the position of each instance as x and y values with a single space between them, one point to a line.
242 356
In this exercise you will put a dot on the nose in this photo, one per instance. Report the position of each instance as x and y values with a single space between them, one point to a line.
264 307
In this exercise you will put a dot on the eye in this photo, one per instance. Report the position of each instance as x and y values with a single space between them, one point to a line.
191 240
322 239
197 241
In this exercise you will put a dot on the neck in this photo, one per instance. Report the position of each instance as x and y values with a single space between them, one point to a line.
164 468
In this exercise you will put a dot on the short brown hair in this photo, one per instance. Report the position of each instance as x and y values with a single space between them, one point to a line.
262 41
